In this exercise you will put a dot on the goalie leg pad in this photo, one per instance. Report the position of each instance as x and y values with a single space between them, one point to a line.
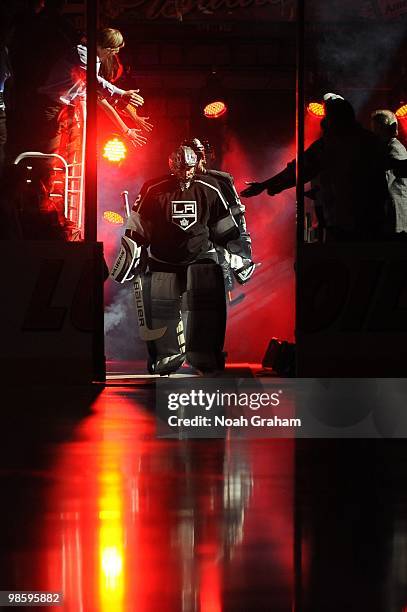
167 353
204 304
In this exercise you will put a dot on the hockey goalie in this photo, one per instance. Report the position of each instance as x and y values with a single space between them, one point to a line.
175 225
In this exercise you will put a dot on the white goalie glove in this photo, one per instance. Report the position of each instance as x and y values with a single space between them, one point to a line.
124 268
242 268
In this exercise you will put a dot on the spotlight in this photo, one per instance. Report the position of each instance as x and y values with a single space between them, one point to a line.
214 110
213 102
113 217
401 112
316 109
114 150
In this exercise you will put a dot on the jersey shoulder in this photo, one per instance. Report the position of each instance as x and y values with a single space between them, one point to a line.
211 187
220 175
151 188
206 180
156 183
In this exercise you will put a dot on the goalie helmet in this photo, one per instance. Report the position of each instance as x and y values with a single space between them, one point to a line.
182 159
182 164
196 145
202 149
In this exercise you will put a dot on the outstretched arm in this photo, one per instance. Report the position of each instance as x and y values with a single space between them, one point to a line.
133 97
275 184
105 87
141 122
132 134
286 179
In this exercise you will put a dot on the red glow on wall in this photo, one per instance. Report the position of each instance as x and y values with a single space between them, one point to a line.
312 130
268 306
316 109
214 110
114 150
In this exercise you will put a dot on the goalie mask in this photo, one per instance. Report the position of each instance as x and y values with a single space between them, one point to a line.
182 164
203 150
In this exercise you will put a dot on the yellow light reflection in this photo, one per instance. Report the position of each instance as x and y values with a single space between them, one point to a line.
112 565
111 543
105 515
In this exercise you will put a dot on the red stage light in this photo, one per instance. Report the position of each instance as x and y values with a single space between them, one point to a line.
114 150
316 109
214 110
401 112
113 217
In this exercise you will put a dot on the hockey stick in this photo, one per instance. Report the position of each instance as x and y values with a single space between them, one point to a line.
233 301
125 196
146 333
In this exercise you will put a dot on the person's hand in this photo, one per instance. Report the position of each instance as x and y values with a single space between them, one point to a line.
144 123
135 137
253 189
132 97
273 188
141 122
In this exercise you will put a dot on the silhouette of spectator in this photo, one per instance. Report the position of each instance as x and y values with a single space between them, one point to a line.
384 124
350 161
66 85
54 121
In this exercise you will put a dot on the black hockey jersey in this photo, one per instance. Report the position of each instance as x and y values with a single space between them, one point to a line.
243 245
181 225
227 186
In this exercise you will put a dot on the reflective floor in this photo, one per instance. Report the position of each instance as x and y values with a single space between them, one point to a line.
95 506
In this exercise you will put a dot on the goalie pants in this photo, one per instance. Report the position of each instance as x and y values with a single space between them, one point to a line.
191 305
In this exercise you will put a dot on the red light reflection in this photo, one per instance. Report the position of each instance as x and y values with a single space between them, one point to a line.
146 524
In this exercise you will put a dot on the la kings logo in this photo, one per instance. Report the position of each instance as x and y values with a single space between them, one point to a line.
184 213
